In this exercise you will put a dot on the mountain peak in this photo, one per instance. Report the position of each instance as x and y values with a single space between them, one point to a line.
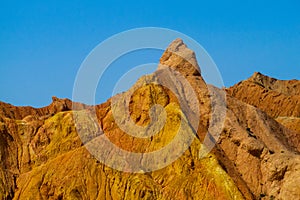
181 58
259 77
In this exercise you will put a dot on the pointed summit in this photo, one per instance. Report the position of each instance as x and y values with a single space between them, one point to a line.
181 58
259 77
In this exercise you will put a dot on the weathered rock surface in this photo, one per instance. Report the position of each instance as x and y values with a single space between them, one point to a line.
255 157
278 98
292 123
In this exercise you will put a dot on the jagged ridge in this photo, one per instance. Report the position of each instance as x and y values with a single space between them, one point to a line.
43 157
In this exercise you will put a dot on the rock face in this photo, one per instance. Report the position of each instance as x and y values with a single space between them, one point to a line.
181 58
279 99
46 153
270 95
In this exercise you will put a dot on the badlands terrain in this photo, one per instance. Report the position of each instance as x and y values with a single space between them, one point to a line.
253 129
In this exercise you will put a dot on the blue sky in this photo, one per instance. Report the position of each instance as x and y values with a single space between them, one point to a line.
43 43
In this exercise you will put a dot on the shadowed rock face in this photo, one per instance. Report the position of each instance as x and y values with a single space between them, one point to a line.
42 155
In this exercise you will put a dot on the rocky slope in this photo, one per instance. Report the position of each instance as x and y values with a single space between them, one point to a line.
278 98
50 153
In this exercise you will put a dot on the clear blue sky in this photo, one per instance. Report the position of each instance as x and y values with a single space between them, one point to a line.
43 43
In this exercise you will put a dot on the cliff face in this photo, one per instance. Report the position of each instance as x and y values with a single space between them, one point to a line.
49 153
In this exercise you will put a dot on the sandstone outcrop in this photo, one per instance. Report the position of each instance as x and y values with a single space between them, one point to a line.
280 99
276 97
46 153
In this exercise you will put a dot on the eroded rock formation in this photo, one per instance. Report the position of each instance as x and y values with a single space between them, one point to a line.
255 157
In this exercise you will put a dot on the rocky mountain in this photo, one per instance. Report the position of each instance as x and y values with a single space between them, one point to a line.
278 98
61 151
